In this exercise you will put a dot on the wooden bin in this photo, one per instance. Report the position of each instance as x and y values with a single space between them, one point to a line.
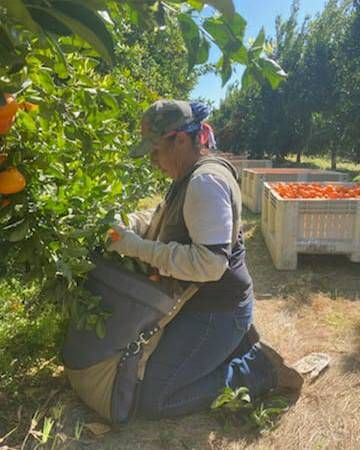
315 226
252 181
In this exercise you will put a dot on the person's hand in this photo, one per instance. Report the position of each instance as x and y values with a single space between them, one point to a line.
123 241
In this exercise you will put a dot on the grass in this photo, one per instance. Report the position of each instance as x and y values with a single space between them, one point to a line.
349 167
29 333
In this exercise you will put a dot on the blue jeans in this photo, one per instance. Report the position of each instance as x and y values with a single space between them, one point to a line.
189 367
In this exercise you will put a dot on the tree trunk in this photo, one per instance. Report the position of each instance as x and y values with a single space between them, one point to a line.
298 157
333 158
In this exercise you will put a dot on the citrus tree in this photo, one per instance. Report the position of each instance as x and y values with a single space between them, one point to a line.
74 79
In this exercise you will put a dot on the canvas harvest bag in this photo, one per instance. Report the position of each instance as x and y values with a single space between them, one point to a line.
114 364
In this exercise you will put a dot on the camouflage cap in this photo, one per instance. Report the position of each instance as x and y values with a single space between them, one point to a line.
160 118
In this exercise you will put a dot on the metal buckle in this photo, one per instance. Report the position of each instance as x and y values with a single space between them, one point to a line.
135 346
142 339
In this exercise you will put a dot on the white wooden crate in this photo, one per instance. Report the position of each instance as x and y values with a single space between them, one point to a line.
252 181
316 226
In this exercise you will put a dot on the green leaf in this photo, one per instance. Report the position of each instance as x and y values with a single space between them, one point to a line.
5 39
218 30
100 328
271 71
190 33
20 232
226 70
82 22
9 58
196 4
110 101
76 251
228 35
240 56
96 5
18 10
81 267
128 264
48 22
226 396
28 122
203 53
247 78
44 80
141 266
258 45
237 24
224 6
56 47
124 218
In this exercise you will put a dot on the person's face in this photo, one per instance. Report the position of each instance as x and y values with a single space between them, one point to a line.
173 155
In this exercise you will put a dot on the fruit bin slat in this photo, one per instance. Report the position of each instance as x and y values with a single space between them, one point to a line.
252 181
315 226
242 164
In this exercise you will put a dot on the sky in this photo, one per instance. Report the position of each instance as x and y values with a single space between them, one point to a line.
257 13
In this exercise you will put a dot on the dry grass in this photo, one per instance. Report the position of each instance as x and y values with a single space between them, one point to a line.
315 308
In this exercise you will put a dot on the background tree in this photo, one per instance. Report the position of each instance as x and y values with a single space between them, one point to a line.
315 110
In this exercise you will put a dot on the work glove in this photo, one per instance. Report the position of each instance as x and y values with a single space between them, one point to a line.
123 241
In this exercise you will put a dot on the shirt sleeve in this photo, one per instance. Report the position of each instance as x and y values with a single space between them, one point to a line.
208 210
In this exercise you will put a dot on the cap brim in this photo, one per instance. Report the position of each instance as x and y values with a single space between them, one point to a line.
142 149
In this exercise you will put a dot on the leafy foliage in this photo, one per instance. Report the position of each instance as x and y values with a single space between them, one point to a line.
236 407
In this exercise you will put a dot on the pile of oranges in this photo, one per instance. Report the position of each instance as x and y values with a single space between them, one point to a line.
314 190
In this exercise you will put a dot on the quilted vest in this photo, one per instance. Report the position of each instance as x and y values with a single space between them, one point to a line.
235 287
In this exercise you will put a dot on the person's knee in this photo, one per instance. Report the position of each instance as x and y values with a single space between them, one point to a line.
150 404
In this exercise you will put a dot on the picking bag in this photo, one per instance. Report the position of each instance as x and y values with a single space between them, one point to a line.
105 372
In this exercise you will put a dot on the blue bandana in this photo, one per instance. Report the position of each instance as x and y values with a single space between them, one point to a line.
200 112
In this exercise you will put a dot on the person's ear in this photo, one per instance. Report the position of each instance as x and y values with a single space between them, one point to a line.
182 138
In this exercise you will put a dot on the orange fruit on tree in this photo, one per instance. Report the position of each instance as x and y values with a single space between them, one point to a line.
114 235
7 113
3 158
9 109
11 181
5 202
6 124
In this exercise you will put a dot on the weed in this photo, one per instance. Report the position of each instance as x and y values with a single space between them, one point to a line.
234 407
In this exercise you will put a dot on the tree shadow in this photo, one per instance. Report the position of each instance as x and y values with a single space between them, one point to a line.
351 361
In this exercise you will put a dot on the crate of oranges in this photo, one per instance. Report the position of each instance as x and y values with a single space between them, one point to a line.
316 218
253 179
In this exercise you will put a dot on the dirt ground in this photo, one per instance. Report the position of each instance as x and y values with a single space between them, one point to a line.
315 308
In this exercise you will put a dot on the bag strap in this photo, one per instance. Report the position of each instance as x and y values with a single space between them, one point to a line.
154 338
